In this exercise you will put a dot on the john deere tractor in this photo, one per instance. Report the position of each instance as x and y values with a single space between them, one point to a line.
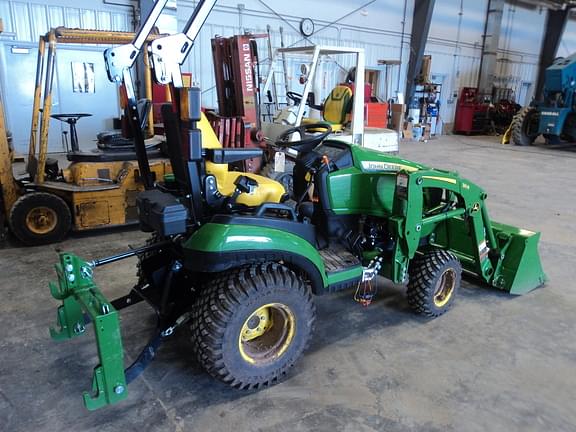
238 262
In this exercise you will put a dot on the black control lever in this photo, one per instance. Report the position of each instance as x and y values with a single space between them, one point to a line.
243 184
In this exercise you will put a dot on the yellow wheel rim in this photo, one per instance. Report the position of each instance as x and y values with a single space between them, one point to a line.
445 287
267 333
41 220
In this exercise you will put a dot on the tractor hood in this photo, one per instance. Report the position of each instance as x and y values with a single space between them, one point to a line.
368 160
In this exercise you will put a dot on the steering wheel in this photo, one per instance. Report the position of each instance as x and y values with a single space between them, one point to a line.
294 97
310 136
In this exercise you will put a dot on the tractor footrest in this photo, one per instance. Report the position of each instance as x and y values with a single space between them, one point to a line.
337 258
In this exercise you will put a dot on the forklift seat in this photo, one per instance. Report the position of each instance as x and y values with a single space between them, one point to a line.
114 140
337 106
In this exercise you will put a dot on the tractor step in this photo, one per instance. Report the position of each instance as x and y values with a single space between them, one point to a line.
343 269
337 258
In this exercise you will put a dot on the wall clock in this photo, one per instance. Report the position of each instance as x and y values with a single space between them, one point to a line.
307 27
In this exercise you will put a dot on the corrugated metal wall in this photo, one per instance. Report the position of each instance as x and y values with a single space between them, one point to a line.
201 65
27 20
454 42
455 49
378 44
24 23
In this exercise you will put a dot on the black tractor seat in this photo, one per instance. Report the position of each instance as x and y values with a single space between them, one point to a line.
154 152
115 141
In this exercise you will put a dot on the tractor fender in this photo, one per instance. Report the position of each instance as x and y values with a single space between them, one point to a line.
218 247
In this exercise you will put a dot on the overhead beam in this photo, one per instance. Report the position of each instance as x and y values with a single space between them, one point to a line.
492 27
421 20
553 31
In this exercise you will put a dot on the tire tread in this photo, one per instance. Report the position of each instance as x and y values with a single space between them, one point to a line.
18 213
423 272
216 305
518 135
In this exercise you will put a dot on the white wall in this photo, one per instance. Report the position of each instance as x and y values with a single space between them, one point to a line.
360 30
28 19
455 36
24 22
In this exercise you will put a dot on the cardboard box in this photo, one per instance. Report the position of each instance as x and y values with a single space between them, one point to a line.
407 132
1 25
426 132
398 116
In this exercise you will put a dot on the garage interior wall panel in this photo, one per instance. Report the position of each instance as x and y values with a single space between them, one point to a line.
376 45
27 20
24 23
455 41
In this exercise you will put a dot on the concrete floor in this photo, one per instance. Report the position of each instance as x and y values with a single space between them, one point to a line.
493 363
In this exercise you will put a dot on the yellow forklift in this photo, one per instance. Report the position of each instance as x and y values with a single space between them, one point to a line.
98 188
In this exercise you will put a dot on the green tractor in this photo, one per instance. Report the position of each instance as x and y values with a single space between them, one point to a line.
244 276
239 262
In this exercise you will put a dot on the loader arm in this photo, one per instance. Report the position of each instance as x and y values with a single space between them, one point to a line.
500 255
167 55
120 59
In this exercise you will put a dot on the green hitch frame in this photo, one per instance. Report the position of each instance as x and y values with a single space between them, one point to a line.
82 302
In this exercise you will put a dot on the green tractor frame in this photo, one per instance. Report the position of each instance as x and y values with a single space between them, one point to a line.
242 272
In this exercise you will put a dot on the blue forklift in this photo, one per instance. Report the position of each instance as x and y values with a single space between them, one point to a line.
555 116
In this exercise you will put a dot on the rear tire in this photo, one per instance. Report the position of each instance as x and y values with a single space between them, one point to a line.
250 325
435 278
521 134
40 218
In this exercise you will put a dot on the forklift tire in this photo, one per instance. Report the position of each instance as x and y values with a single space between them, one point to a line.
250 325
435 278
39 218
520 124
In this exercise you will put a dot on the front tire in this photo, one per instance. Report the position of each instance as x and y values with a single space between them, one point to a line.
251 325
524 129
435 278
39 218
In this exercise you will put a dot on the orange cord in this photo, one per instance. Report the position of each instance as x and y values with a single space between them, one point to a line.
365 295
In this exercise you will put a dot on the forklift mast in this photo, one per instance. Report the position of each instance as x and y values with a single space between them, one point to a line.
237 85
9 190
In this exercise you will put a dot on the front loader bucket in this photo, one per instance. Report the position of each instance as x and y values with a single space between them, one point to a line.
519 269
